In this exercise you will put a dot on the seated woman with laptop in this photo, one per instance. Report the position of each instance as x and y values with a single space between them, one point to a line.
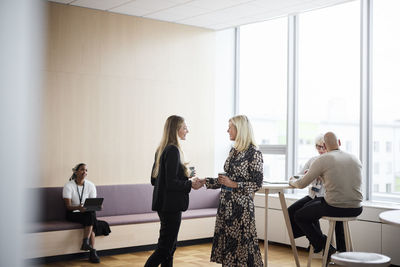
75 194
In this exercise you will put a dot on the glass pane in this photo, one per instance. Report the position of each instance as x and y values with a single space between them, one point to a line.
274 167
262 79
329 74
386 95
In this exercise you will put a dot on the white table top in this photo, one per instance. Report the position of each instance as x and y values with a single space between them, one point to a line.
277 186
390 217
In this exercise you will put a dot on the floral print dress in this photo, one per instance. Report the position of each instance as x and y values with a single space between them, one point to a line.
235 240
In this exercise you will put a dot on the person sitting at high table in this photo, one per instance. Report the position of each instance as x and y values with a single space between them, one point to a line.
316 191
341 175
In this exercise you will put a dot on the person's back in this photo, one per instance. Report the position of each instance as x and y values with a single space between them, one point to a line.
341 175
342 179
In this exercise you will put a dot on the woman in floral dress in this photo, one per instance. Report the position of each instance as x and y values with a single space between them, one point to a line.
235 240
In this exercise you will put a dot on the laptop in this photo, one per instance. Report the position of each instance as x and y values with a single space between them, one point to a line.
93 204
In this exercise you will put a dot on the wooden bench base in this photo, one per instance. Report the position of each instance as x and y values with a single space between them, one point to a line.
45 244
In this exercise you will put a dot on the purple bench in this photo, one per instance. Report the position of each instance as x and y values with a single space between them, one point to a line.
123 204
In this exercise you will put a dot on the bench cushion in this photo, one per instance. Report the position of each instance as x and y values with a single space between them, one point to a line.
123 204
48 226
153 217
125 199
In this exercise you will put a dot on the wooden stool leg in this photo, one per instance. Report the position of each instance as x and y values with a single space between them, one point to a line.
328 242
349 243
310 255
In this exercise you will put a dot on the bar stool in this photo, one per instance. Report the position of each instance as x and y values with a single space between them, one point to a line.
361 259
332 224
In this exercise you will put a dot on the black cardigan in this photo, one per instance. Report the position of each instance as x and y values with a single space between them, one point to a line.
171 187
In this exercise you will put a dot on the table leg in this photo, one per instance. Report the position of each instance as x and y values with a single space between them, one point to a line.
289 227
266 229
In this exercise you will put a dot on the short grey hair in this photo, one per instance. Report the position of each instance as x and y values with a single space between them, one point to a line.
319 139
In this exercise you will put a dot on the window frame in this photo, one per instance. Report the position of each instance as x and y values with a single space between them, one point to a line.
366 144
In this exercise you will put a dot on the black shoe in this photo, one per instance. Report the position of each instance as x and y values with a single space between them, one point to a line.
93 257
85 244
331 251
319 249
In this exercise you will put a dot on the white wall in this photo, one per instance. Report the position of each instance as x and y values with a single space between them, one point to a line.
111 82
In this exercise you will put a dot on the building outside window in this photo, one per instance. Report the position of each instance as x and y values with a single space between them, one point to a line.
329 91
385 93
263 89
388 147
376 146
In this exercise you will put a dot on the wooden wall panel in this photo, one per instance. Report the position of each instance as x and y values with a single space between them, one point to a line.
111 81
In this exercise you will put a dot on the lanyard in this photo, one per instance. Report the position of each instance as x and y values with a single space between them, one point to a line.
81 194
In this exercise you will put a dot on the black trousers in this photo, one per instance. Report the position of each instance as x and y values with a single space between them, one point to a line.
170 223
308 216
87 218
297 232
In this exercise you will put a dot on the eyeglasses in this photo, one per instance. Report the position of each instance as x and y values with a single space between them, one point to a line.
318 147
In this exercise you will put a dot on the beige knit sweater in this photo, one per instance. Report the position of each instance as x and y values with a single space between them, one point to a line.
341 175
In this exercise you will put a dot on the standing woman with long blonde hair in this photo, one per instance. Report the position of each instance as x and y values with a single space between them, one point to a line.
172 185
235 242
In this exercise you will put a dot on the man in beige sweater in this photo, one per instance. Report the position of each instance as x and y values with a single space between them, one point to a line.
341 176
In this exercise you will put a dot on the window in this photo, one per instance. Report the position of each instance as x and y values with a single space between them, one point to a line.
389 169
389 147
376 187
263 89
262 82
385 93
376 167
376 146
388 188
273 166
329 90
349 147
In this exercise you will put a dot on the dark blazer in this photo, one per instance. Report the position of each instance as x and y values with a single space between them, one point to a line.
171 187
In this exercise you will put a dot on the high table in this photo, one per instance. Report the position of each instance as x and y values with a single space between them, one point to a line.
390 217
278 188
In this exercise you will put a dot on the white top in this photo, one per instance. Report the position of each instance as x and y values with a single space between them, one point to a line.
70 191
315 183
390 217
341 175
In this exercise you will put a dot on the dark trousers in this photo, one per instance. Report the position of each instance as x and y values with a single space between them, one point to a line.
297 232
307 220
166 246
87 218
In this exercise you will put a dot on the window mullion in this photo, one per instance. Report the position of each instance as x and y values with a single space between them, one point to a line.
292 92
366 96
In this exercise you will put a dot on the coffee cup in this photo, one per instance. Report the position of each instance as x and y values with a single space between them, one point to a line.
192 171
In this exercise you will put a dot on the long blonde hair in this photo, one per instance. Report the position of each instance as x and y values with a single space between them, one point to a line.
170 137
244 133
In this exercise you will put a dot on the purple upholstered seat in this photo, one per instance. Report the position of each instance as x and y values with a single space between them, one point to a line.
203 198
125 199
123 204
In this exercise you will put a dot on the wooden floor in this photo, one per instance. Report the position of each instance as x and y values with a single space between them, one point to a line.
191 256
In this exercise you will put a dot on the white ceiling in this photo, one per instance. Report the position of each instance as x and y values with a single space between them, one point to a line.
211 14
